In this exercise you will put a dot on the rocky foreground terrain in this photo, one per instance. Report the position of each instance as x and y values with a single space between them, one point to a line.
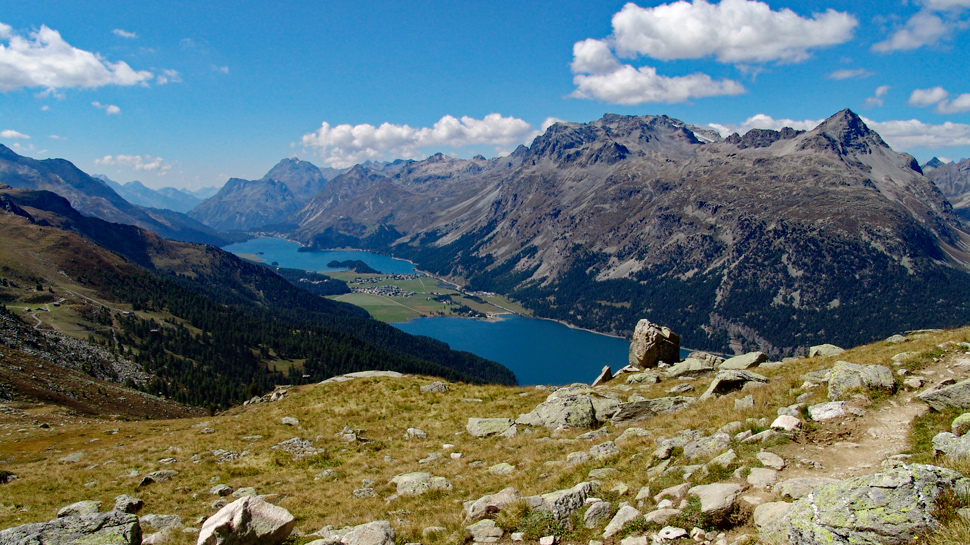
858 446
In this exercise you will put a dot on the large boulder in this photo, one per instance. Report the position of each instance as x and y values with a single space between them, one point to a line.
561 503
418 482
744 361
729 380
247 521
484 427
891 507
954 395
490 504
637 411
690 368
571 411
718 500
824 350
951 445
624 515
378 532
653 344
111 528
847 378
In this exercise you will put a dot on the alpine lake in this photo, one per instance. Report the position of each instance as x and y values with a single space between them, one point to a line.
488 325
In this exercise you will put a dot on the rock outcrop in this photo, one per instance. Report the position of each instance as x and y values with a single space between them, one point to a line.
653 344
111 528
247 521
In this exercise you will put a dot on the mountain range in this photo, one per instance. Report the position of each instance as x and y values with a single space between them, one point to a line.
170 198
953 179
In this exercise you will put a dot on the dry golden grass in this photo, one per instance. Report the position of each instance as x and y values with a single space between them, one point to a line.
384 408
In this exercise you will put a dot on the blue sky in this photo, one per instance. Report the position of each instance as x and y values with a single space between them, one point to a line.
188 94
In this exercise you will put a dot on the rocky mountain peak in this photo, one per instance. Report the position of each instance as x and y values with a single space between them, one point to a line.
845 133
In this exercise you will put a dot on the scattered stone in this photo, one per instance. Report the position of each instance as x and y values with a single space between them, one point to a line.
221 490
547 540
596 514
436 387
160 476
896 339
680 388
728 380
950 396
362 493
378 532
772 460
951 445
676 493
744 361
786 423
518 536
419 482
414 433
603 473
891 507
761 477
661 515
577 458
744 403
960 424
644 410
827 411
763 436
643 378
913 383
631 433
561 503
847 378
706 446
502 469
653 344
624 514
128 504
84 507
326 475
824 350
690 368
801 487
569 411
485 531
72 458
671 533
296 447
595 435
111 528
724 460
717 500
244 492
484 427
247 521
604 450
605 376
491 504
160 522
289 421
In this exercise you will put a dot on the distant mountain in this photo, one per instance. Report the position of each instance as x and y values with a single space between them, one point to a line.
169 198
953 179
774 240
204 193
932 164
94 197
243 205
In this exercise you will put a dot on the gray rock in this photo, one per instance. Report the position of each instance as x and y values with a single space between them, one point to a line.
643 378
128 504
625 514
761 477
848 378
690 368
247 521
84 507
707 446
502 469
729 380
718 500
632 433
577 458
561 503
297 447
484 427
362 493
675 493
604 450
951 445
378 532
725 459
680 388
436 387
744 361
824 350
111 528
800 487
594 435
419 482
827 411
415 433
786 423
160 476
160 522
769 518
603 473
244 492
639 411
491 504
891 507
671 533
221 490
896 339
653 344
605 376
951 396
596 514
661 516
485 531
960 424
772 460
744 403
289 421
571 411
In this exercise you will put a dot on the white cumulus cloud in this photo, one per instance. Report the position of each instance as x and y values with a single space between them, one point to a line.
147 163
43 59
109 109
121 33
732 31
168 76
903 135
879 97
11 134
345 145
937 20
763 121
940 98
849 74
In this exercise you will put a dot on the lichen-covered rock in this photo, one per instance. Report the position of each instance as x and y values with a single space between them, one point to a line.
824 350
84 507
954 395
690 368
960 424
800 487
707 446
128 504
436 387
571 411
951 445
484 427
638 411
744 361
596 514
247 521
111 528
485 531
604 450
848 378
890 507
729 380
643 378
490 504
561 503
624 515
418 482
378 532
770 520
653 344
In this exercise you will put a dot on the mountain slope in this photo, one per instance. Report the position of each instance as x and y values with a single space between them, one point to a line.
169 198
93 197
772 240
953 179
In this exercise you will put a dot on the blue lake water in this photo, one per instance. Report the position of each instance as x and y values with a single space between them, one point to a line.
537 351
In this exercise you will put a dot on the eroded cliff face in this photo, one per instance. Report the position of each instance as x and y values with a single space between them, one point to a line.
769 241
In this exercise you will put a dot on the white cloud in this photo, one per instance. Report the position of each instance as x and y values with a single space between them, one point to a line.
346 145
45 108
146 163
763 121
109 109
878 98
10 134
124 33
168 76
926 27
56 137
939 97
223 69
903 135
848 74
732 31
43 59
